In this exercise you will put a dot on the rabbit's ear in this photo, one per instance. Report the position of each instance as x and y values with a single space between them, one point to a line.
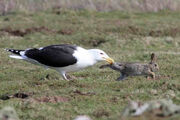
153 57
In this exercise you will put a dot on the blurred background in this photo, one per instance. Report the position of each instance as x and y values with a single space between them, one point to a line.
7 6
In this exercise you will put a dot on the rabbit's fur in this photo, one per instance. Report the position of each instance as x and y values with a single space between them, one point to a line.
135 69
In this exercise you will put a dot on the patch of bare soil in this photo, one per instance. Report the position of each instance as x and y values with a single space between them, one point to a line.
50 99
16 95
23 32
134 30
65 31
20 95
100 113
166 32
78 92
20 33
154 33
114 100
44 99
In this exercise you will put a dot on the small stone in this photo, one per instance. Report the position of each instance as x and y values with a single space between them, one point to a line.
82 117
170 94
153 91
8 113
169 39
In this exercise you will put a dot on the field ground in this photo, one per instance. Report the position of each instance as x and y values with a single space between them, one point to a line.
123 36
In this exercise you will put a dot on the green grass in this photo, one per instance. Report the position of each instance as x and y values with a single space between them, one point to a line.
123 36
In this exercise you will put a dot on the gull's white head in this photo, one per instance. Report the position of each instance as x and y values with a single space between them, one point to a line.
100 55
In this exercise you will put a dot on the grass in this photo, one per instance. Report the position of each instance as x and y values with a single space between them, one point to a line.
123 36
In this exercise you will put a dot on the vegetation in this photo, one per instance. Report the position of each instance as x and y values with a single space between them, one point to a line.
123 36
7 6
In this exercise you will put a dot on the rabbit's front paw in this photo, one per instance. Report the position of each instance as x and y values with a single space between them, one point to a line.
152 74
103 66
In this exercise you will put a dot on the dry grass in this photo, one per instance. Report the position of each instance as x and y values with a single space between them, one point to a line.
7 6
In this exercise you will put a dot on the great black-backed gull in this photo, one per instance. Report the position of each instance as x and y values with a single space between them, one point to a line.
63 58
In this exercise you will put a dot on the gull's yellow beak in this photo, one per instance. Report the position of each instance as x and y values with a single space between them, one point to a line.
109 60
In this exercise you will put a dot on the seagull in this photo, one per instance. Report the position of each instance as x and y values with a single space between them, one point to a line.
63 58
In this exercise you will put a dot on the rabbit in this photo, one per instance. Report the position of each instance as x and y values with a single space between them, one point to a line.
135 69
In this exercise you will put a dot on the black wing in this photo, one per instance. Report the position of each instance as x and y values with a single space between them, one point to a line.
54 55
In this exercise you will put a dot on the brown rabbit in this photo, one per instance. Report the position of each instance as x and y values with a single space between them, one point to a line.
135 69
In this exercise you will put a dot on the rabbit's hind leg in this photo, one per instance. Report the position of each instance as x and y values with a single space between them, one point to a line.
122 77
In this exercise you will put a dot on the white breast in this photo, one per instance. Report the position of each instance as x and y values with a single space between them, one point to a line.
84 59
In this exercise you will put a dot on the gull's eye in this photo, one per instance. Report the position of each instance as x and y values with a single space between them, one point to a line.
101 53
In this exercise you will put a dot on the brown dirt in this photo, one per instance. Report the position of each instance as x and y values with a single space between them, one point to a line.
136 30
23 32
20 95
46 99
154 33
78 92
20 33
100 113
167 32
114 100
50 99
65 32
16 95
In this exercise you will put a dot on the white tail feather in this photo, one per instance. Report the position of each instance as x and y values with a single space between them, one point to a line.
16 57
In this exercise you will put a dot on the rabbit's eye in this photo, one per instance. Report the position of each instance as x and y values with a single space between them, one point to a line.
101 53
155 65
